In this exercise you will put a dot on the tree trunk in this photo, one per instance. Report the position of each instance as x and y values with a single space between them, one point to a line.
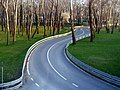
90 21
44 25
36 24
113 26
59 22
2 21
72 25
15 20
21 18
50 23
7 22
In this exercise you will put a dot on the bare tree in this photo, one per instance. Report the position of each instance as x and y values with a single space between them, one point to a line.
72 25
5 5
90 21
15 5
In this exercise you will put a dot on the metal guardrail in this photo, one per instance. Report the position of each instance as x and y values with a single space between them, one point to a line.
97 73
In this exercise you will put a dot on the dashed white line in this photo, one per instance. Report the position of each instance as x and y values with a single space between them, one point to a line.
75 85
28 68
37 84
51 65
32 79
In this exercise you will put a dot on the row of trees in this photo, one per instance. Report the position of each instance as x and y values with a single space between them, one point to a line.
104 13
19 16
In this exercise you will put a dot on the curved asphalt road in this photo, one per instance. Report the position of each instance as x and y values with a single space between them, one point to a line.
50 69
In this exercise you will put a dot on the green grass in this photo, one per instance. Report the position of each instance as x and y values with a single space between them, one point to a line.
13 55
103 53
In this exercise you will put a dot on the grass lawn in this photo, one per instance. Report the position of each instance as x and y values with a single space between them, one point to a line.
103 53
13 55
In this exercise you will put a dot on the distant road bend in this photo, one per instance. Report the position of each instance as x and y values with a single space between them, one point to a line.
50 69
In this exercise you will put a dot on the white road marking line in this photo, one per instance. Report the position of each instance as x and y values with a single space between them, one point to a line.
49 58
28 71
28 64
32 79
75 85
28 68
37 84
51 64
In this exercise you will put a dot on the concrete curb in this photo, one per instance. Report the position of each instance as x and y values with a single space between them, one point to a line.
95 72
15 84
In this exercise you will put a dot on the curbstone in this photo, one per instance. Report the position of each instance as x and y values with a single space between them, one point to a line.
95 72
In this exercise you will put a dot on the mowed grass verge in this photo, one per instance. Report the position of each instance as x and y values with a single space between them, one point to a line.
13 55
103 53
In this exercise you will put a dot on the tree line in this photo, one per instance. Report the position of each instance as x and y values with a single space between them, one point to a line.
103 13
19 17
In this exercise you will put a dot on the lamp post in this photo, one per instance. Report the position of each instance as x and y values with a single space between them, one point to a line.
71 21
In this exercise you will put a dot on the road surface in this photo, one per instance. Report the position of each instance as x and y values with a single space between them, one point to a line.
50 69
